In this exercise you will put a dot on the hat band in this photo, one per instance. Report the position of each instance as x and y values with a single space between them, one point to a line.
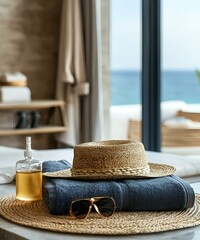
123 171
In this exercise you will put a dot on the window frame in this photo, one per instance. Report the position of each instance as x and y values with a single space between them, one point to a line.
151 74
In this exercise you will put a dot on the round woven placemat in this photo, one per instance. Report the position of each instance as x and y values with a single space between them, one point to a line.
35 214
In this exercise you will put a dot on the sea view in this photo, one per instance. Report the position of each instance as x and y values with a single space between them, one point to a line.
175 85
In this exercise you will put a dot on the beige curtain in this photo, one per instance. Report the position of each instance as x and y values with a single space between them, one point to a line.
78 78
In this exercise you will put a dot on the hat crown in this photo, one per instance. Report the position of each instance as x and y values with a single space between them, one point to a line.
110 156
112 159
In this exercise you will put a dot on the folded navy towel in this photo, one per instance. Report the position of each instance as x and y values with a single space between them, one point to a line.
144 194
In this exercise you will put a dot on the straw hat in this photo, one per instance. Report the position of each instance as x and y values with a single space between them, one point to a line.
35 214
111 160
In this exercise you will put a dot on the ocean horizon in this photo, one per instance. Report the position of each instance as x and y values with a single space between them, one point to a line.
175 85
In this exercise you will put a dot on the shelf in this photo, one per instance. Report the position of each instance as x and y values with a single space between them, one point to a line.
50 105
30 131
32 105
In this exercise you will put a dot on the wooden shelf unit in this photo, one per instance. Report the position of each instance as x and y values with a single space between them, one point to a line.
36 105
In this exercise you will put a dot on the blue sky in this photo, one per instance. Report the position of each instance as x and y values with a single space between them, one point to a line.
180 38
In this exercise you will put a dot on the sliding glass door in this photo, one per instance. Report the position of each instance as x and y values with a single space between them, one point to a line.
125 77
180 76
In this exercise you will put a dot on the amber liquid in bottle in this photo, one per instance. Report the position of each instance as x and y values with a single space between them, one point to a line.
28 176
28 185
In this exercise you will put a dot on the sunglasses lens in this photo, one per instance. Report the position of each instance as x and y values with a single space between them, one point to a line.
80 208
106 206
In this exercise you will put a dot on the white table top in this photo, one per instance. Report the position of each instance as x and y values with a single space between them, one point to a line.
11 231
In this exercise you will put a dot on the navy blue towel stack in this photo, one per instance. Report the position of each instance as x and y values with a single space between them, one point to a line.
142 194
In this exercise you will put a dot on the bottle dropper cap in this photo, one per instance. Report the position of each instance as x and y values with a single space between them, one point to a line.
28 152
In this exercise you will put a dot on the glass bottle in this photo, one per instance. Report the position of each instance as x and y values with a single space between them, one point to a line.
28 176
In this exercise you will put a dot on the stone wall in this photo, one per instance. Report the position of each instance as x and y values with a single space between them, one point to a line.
29 35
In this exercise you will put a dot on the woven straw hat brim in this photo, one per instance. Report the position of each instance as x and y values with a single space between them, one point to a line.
35 214
156 170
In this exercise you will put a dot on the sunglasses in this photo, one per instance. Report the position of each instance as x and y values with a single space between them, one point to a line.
81 208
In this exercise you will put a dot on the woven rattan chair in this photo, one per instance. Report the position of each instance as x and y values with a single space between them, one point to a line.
171 136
